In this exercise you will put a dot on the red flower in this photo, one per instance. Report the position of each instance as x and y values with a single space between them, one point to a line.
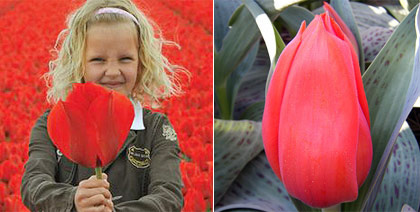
14 203
194 201
3 190
14 184
91 125
8 169
4 152
316 119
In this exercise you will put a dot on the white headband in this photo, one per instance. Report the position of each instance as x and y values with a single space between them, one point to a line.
117 10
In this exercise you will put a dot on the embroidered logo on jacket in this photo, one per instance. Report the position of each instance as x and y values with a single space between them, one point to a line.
169 132
139 157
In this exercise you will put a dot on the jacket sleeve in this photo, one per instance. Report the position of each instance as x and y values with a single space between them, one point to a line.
164 191
39 190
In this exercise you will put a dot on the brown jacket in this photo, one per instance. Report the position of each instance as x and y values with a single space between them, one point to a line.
145 176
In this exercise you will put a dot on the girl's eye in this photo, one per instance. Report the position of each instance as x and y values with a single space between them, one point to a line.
97 60
126 59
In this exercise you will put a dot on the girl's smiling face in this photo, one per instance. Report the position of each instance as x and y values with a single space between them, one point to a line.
111 57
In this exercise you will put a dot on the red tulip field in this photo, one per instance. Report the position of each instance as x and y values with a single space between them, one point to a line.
29 29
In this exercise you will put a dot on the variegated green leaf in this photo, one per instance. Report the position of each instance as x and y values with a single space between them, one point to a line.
407 208
373 40
401 184
235 144
392 86
256 188
367 16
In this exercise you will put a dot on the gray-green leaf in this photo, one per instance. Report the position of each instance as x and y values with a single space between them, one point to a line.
258 188
401 182
235 144
292 18
367 16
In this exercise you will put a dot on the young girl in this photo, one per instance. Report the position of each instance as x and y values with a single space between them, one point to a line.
111 43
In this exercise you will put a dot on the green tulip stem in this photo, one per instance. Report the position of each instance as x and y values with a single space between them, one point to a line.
334 208
98 172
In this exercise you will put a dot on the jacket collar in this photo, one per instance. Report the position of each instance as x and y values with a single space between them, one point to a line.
138 116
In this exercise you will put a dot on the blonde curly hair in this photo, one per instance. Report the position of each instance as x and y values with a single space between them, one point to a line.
158 78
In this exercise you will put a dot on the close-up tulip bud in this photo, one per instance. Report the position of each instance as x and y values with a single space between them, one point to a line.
316 125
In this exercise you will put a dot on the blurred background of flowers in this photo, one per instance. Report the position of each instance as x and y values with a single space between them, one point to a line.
29 29
246 52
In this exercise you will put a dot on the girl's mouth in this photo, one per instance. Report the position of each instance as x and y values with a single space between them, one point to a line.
112 85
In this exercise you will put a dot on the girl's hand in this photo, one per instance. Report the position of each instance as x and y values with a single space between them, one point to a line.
93 195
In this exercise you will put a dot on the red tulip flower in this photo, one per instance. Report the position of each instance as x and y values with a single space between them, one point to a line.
316 127
91 126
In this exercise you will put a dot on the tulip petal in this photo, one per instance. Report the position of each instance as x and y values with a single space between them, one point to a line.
72 132
101 112
57 127
113 115
317 131
270 121
333 28
85 93
123 111
361 95
342 25
364 149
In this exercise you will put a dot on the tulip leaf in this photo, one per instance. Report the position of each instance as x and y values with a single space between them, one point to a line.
417 104
254 112
302 206
367 16
409 4
222 13
236 79
229 88
292 18
390 102
271 36
407 208
253 84
401 179
235 144
282 4
235 15
344 10
397 11
373 40
257 188
236 44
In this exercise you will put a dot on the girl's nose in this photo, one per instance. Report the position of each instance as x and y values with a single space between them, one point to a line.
112 70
